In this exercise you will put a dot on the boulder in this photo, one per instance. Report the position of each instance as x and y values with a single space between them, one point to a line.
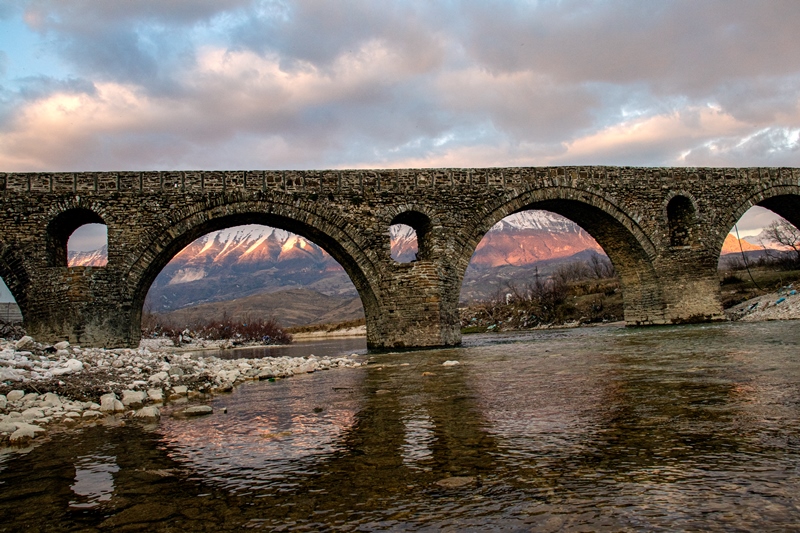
198 410
133 398
74 365
15 395
158 378
32 414
110 404
148 413
24 343
51 399
8 374
63 345
155 395
25 434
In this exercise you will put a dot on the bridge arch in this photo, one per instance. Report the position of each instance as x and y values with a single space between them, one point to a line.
783 200
630 250
61 227
680 212
422 225
15 276
322 229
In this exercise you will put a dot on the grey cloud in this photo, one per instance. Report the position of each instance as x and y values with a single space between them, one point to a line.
318 32
770 147
36 87
677 45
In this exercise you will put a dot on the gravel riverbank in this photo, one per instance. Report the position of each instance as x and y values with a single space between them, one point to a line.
43 387
783 304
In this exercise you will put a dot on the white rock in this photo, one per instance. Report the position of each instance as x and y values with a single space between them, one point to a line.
3 401
30 397
74 365
180 390
24 343
158 377
92 414
155 395
63 345
15 395
148 413
450 363
133 398
8 374
62 371
32 414
109 403
8 427
51 400
23 435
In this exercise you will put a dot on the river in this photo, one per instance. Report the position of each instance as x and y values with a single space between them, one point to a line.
658 429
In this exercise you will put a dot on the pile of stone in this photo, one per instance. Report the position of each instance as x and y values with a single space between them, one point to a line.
43 385
783 304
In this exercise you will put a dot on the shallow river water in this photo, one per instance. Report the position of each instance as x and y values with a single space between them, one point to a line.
618 429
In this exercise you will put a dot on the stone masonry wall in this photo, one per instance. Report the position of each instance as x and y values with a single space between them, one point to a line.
151 215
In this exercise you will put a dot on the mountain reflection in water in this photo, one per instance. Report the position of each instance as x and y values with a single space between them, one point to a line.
691 427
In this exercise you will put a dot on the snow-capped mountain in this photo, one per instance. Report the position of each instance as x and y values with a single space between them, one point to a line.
246 260
97 258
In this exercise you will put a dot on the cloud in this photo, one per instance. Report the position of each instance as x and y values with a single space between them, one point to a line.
310 84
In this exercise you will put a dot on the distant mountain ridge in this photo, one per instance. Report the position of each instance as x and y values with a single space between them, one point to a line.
244 261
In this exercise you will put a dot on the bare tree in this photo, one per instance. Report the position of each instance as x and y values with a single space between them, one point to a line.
787 236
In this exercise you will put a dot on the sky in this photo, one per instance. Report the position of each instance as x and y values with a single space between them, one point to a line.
268 84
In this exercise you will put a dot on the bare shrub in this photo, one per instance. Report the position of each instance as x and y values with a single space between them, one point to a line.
248 330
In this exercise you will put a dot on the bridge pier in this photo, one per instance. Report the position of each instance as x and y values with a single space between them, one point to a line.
690 286
82 306
419 309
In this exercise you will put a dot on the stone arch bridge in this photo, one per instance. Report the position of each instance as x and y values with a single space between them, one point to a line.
662 228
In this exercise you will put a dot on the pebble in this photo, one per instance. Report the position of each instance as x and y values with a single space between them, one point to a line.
135 378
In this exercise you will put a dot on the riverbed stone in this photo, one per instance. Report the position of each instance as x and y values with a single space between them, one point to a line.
24 343
91 413
140 513
148 413
51 399
22 435
63 345
158 378
109 403
32 414
133 398
456 482
15 395
155 395
9 374
198 410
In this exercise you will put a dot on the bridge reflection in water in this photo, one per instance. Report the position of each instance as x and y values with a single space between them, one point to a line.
675 428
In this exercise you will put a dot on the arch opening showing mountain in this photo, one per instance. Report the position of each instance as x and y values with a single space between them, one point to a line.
520 246
259 270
